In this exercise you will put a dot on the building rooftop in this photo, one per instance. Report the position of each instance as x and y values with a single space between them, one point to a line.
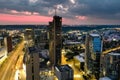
63 68
114 54
32 49
105 78
71 42
79 58
94 35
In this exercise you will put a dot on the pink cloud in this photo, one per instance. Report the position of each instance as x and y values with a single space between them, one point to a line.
30 19
23 12
14 12
81 17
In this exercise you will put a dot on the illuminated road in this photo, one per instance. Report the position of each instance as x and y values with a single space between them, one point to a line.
107 51
18 66
110 50
77 74
8 68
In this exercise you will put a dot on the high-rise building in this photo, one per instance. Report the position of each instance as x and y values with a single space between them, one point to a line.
92 54
34 56
55 40
51 43
111 66
32 64
64 72
8 44
40 36
29 36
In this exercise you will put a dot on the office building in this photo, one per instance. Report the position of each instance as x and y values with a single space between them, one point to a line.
55 40
29 37
111 66
41 39
92 54
31 60
64 72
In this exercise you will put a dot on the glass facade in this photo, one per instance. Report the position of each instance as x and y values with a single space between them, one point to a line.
96 44
94 52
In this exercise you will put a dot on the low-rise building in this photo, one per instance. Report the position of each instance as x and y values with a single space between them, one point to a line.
64 72
79 61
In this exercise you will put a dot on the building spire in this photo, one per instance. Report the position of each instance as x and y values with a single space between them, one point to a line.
55 10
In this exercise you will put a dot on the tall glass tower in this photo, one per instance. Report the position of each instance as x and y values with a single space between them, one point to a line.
92 54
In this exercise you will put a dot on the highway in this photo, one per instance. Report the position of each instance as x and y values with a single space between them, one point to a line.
8 68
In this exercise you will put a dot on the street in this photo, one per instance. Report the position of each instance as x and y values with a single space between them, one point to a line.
7 70
77 74
110 50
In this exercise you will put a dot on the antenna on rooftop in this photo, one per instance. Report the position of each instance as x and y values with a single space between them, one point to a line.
55 10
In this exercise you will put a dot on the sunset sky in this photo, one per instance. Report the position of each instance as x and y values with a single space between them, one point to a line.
74 12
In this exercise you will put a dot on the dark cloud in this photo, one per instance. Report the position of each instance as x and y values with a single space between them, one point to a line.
98 8
103 9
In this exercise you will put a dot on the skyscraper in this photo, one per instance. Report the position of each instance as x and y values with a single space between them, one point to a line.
93 53
55 44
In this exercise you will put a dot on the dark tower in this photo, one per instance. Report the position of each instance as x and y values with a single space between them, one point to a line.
55 40
9 43
57 21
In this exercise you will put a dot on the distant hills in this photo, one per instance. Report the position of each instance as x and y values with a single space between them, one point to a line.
64 28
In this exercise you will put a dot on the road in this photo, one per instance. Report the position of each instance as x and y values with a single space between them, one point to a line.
77 74
110 50
107 51
7 70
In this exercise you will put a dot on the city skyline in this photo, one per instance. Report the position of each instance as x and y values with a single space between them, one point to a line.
74 12
51 53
